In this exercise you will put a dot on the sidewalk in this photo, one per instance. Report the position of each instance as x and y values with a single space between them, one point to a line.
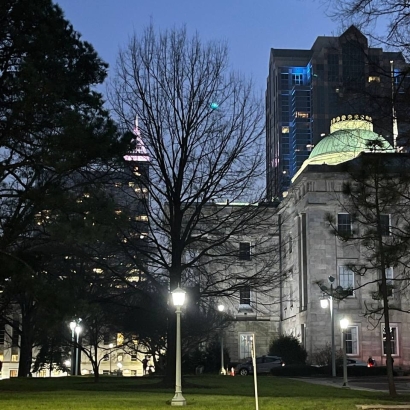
377 383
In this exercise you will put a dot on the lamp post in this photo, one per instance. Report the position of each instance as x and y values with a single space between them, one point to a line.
178 298
78 330
344 324
324 303
109 355
221 308
73 361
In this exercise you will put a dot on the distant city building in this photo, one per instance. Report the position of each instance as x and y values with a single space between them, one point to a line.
307 88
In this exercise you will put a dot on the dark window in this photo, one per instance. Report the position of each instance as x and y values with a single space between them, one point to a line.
344 224
290 244
245 251
393 340
385 224
272 359
245 295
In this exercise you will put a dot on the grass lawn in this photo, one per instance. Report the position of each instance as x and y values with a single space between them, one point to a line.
201 392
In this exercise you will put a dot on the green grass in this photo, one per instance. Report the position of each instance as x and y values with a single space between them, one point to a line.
201 393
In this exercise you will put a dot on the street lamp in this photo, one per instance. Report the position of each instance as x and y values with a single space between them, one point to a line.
178 298
78 330
344 324
221 308
73 361
109 355
324 303
74 356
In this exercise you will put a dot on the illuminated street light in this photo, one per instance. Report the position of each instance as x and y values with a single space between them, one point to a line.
221 308
178 298
74 324
78 329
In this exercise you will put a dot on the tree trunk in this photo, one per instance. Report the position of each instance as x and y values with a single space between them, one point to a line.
95 364
169 378
389 361
26 345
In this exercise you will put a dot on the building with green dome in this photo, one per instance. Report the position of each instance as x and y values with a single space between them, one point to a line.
312 252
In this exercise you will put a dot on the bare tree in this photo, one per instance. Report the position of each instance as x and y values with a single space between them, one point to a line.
202 129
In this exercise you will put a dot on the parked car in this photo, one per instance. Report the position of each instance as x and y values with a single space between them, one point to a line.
355 362
263 365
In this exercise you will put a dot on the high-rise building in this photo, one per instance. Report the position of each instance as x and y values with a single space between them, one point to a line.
307 88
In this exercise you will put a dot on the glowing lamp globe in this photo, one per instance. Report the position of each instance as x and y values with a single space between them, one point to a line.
324 303
344 323
178 296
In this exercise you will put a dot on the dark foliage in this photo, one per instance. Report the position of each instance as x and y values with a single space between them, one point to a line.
289 348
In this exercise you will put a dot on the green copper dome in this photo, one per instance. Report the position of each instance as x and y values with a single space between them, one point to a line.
343 145
349 136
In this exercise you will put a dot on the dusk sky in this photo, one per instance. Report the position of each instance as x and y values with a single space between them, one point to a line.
251 28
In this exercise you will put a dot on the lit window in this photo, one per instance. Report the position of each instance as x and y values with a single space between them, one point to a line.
97 270
245 251
393 340
297 79
120 339
346 279
86 195
117 184
106 358
285 130
344 224
118 211
131 184
374 79
143 218
119 358
245 345
352 340
14 357
301 114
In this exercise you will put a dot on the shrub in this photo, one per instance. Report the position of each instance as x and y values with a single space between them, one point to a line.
296 370
289 348
323 357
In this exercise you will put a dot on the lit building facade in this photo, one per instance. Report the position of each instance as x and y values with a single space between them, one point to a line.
312 252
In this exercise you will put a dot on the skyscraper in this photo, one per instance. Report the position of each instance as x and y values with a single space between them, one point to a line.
307 88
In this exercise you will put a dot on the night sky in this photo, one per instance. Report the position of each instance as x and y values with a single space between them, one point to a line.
250 27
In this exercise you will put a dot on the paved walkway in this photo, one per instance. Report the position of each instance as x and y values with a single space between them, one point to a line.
377 383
